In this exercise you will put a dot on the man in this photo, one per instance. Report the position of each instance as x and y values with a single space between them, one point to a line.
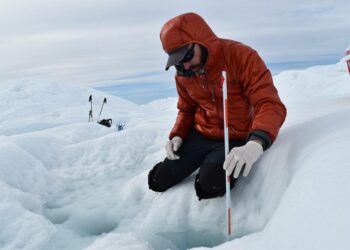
255 111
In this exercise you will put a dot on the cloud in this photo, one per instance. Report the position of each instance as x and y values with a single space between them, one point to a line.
99 42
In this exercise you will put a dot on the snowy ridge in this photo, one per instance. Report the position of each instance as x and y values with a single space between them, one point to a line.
70 184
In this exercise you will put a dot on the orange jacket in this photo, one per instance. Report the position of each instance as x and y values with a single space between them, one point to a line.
254 107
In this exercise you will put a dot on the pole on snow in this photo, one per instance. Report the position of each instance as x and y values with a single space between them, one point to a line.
90 112
227 176
347 58
104 101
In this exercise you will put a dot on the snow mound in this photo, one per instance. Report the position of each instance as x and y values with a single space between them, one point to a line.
70 184
25 184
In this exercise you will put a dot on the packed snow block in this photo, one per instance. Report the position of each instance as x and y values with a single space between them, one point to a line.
24 186
20 227
78 132
91 221
119 241
43 146
22 171
312 83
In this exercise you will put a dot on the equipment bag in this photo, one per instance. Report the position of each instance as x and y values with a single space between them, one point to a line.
106 122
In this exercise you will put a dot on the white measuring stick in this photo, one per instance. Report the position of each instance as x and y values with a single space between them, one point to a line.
227 177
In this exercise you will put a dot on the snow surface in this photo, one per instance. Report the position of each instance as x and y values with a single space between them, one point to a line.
69 184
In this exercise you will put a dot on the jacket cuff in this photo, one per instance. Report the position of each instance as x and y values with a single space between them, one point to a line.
177 133
261 135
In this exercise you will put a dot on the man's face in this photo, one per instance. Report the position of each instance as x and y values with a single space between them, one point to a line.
194 63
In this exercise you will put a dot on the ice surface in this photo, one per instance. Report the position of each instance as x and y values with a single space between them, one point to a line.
66 183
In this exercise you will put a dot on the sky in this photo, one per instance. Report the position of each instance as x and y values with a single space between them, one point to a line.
108 42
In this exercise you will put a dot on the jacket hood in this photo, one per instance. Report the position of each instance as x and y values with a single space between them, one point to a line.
189 28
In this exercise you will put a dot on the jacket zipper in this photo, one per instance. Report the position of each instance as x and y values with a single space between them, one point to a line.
205 84
202 82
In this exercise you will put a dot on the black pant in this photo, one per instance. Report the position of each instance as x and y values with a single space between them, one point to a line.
196 152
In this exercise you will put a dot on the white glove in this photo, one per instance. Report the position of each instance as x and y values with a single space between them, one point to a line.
243 156
172 146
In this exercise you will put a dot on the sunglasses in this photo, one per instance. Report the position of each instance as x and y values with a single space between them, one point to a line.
189 55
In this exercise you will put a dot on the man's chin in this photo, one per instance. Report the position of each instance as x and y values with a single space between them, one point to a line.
198 68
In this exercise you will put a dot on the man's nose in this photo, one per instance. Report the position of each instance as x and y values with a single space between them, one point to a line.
187 65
